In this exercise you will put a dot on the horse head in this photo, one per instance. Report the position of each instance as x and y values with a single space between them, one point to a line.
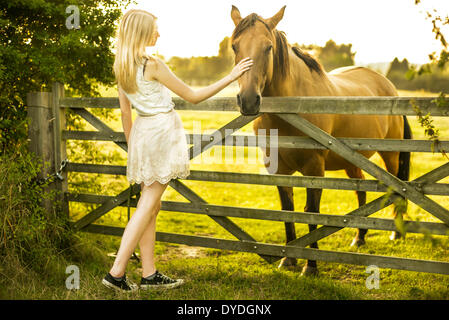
254 37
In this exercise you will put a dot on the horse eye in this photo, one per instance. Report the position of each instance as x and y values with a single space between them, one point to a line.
268 49
234 48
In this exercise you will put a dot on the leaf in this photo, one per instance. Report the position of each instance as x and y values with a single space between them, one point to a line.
399 223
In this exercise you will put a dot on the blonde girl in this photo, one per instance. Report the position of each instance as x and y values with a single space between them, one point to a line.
157 147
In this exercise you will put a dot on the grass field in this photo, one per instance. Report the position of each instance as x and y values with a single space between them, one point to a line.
215 274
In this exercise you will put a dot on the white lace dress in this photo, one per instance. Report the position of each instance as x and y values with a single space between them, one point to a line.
157 148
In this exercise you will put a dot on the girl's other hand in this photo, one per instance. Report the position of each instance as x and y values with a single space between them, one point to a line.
241 67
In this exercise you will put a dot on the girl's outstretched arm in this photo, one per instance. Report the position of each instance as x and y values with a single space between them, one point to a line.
161 72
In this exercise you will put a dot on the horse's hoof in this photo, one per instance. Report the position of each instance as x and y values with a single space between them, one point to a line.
287 262
357 242
395 236
309 271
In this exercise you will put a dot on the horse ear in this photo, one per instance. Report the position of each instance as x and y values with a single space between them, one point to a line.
235 15
274 20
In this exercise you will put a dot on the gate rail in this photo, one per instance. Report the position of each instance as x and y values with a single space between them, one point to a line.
54 105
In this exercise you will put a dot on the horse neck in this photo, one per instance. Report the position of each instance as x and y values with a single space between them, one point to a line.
300 80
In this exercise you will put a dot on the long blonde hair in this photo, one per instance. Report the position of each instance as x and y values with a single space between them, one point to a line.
134 33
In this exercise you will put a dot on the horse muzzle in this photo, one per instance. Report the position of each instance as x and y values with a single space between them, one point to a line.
249 104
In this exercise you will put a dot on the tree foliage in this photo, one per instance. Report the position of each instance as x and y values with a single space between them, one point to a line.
203 70
332 55
401 73
432 76
37 49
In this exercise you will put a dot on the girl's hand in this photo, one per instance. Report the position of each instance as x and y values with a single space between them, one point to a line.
243 66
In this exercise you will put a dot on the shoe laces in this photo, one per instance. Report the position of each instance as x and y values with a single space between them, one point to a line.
128 282
164 278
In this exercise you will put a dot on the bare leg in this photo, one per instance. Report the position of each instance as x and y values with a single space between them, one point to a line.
146 245
145 212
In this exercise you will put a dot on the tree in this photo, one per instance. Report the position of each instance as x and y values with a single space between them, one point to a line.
434 80
398 66
225 53
397 73
202 70
37 48
332 55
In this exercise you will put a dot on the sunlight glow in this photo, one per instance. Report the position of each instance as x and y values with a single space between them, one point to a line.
378 29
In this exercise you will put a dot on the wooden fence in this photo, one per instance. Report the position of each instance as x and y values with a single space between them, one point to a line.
49 141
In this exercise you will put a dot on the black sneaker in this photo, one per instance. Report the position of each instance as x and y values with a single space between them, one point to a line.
121 285
159 281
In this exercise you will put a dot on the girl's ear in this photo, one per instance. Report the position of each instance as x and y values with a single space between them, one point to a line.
235 15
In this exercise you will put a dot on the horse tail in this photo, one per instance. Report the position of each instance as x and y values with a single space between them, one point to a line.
404 157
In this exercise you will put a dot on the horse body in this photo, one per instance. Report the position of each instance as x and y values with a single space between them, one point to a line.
352 81
283 70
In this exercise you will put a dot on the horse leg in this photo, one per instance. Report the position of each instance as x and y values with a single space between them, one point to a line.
356 173
316 168
312 205
392 164
287 203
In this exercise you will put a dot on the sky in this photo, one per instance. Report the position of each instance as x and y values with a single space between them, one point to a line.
379 30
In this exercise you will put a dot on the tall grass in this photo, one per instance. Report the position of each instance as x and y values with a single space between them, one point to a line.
35 244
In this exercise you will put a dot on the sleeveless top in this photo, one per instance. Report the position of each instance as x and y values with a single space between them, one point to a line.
151 97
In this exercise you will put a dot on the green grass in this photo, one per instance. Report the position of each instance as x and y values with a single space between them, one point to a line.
219 274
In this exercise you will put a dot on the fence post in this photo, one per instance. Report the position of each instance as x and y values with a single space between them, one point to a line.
60 148
46 122
40 135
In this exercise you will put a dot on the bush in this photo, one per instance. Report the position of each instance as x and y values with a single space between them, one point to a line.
28 233
434 80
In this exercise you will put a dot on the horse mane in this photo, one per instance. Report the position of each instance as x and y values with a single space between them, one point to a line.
281 57
310 61
281 61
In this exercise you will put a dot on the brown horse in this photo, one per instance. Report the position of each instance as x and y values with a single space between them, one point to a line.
282 70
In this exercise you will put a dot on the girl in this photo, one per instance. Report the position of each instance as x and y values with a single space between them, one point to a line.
157 147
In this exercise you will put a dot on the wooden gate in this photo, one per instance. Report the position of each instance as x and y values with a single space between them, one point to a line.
287 108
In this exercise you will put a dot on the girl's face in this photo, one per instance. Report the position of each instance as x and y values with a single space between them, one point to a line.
155 36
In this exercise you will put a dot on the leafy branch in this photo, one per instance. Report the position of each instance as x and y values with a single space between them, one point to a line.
400 210
426 122
440 60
